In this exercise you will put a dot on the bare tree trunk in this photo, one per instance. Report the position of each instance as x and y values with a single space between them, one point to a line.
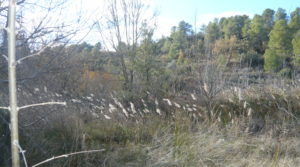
126 20
12 84
124 71
131 79
3 65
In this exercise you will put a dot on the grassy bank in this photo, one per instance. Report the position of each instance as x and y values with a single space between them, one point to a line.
259 128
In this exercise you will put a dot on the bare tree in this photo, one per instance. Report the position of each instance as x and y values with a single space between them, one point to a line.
122 27
13 108
40 25
212 81
22 33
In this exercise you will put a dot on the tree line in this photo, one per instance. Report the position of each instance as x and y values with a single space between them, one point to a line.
268 42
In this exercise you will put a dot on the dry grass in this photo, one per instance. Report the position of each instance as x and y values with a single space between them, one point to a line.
177 139
214 147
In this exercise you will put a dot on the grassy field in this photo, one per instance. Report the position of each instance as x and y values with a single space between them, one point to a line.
261 129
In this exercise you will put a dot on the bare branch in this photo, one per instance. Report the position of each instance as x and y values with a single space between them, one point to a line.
43 104
4 108
50 44
22 152
38 120
5 57
32 55
3 28
66 156
6 7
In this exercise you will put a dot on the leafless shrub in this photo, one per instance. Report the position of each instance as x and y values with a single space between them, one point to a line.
212 80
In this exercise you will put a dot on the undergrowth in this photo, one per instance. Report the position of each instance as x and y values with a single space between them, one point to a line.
262 129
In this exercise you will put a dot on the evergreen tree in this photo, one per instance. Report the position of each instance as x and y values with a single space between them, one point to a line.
212 32
180 40
280 14
268 17
296 48
257 34
278 54
233 26
294 23
146 63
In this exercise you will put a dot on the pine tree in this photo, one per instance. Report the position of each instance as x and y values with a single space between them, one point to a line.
212 32
296 48
268 17
280 14
257 34
294 23
278 54
146 62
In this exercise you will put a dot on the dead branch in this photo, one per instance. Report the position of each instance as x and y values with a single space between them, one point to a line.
43 104
66 156
5 57
4 108
22 152
32 55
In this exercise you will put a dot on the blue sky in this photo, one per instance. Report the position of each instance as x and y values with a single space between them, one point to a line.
171 12
186 9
